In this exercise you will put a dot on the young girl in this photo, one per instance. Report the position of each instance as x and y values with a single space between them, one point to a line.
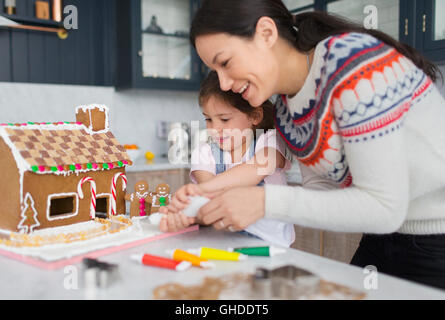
235 158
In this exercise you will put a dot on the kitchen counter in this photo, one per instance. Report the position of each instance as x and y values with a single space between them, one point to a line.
20 281
161 163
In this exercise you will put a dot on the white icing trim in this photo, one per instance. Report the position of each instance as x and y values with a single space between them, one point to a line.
25 227
84 108
62 216
105 195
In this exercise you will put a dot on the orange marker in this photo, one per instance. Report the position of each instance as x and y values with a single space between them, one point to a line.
155 261
181 255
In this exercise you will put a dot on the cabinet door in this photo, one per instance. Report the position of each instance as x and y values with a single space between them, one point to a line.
163 56
432 28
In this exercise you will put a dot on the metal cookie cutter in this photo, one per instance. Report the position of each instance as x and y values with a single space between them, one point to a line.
287 282
99 274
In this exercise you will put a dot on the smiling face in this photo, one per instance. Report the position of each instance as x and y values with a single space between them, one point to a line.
163 189
141 186
244 66
226 124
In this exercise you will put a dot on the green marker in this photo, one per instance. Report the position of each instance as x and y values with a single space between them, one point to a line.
259 251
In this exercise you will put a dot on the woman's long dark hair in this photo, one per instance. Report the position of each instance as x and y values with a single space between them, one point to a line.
240 17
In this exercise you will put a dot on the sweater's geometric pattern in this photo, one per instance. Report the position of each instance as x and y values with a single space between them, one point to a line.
364 90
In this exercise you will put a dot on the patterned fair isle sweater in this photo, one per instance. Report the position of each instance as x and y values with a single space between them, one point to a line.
368 130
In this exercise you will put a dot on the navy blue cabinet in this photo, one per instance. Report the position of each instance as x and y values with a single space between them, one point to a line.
153 48
84 58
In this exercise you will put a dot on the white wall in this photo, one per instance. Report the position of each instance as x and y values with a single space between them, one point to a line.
134 113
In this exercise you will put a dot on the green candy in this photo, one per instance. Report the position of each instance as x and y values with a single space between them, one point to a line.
89 166
120 163
35 168
105 165
54 169
72 167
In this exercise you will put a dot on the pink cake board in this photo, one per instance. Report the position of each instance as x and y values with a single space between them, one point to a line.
94 254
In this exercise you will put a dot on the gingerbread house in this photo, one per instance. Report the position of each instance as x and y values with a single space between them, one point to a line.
56 174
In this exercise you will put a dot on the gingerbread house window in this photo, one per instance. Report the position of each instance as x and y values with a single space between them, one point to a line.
62 206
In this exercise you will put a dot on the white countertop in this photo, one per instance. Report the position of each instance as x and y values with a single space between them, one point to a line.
20 281
141 164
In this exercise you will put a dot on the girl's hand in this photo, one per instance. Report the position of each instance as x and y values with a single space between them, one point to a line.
174 222
180 199
167 209
234 209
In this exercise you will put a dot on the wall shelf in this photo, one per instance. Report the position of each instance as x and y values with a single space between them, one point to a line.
32 21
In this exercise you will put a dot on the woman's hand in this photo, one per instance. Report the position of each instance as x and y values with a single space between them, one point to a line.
234 209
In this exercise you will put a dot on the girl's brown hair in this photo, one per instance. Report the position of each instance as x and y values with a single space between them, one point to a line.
240 17
210 88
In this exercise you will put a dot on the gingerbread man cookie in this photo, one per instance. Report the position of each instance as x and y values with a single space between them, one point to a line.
140 200
161 197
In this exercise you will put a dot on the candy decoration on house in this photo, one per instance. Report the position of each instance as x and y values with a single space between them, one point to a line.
29 216
161 197
113 190
140 200
48 160
93 194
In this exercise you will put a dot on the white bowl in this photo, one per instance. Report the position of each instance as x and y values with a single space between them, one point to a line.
133 153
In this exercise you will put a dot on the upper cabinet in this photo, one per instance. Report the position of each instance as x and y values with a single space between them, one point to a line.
154 50
419 23
85 57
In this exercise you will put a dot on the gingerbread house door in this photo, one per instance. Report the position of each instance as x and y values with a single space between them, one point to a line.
103 202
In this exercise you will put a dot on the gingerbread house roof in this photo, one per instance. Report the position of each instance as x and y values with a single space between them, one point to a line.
62 147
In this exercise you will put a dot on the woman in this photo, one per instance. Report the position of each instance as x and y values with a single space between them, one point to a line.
359 111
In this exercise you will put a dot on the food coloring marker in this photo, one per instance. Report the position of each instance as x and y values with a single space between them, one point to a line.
259 251
181 255
216 254
155 261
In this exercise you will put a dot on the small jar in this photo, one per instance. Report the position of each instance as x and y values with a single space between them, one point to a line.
10 7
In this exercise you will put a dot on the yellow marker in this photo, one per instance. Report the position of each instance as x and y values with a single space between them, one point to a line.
181 255
216 254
